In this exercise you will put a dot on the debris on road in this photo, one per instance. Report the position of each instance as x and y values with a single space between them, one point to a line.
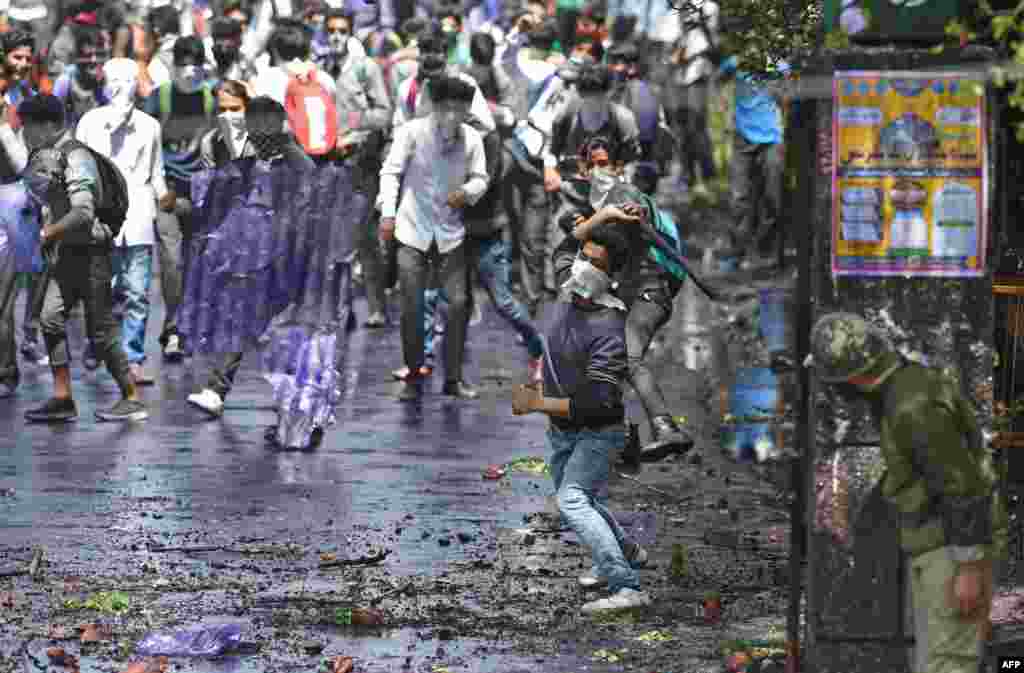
104 601
494 472
655 637
649 488
156 665
6 599
58 657
93 633
209 640
531 464
362 561
35 568
341 665
358 617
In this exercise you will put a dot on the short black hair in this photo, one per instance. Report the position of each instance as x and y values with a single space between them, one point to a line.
290 40
611 238
431 42
341 13
233 88
594 79
223 26
412 28
596 11
481 48
625 52
164 20
264 115
189 47
16 39
545 35
86 36
42 109
451 89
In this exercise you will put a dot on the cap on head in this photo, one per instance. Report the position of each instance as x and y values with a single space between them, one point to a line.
844 346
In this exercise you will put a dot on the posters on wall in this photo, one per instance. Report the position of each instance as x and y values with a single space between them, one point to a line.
909 174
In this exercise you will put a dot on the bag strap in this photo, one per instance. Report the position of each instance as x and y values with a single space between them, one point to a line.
165 102
539 92
551 365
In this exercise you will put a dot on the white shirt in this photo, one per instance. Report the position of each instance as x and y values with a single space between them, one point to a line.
273 82
134 148
417 158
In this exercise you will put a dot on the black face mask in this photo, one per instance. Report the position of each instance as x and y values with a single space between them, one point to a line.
86 75
268 145
226 55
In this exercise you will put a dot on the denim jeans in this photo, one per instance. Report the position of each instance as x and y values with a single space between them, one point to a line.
133 274
529 212
489 257
580 468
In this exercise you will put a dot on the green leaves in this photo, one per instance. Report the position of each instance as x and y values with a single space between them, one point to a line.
105 601
1002 24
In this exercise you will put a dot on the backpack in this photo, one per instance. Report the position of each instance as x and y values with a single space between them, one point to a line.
312 115
112 205
164 92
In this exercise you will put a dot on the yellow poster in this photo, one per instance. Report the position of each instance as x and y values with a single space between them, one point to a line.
909 174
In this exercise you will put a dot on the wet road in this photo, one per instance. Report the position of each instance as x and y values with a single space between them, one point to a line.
96 496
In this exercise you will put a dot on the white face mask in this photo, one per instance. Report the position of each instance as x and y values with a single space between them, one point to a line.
189 78
587 280
338 43
232 124
121 91
602 182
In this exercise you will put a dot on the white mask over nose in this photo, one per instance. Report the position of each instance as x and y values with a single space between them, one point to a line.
232 128
602 182
121 84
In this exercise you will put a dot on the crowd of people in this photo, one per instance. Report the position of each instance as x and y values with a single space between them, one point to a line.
466 128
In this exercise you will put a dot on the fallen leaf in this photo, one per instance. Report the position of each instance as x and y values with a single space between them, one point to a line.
58 632
606 655
655 637
367 617
531 464
494 472
343 665
327 557
154 665
93 633
58 657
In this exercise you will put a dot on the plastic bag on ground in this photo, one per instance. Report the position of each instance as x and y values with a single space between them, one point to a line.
209 640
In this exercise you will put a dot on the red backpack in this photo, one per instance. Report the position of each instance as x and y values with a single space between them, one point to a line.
312 114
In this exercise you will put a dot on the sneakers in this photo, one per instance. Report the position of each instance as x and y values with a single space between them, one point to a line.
55 410
634 553
623 599
123 412
172 349
402 373
89 360
209 401
477 316
460 389
31 353
535 370
140 377
376 320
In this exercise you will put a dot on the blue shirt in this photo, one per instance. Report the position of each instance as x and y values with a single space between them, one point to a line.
758 116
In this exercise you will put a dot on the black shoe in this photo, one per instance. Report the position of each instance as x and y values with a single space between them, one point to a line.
89 360
410 390
667 438
376 320
173 351
7 390
461 390
316 438
54 411
124 411
270 434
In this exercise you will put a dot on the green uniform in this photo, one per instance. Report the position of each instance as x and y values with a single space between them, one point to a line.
940 479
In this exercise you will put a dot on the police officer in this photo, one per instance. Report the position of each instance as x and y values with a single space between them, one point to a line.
952 524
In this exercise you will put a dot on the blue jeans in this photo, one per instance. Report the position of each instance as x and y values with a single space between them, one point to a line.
489 256
133 274
580 469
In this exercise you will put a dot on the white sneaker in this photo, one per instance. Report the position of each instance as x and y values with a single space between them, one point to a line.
208 401
592 580
623 599
172 351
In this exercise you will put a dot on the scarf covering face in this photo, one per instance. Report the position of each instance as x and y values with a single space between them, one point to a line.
121 85
591 283
269 145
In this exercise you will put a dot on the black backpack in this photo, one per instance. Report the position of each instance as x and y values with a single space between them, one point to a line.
112 207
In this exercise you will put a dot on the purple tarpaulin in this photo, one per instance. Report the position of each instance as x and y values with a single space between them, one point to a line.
272 242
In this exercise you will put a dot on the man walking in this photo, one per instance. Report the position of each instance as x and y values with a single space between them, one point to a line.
440 159
131 139
64 177
952 523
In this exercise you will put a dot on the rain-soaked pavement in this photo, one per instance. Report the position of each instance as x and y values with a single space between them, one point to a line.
101 500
